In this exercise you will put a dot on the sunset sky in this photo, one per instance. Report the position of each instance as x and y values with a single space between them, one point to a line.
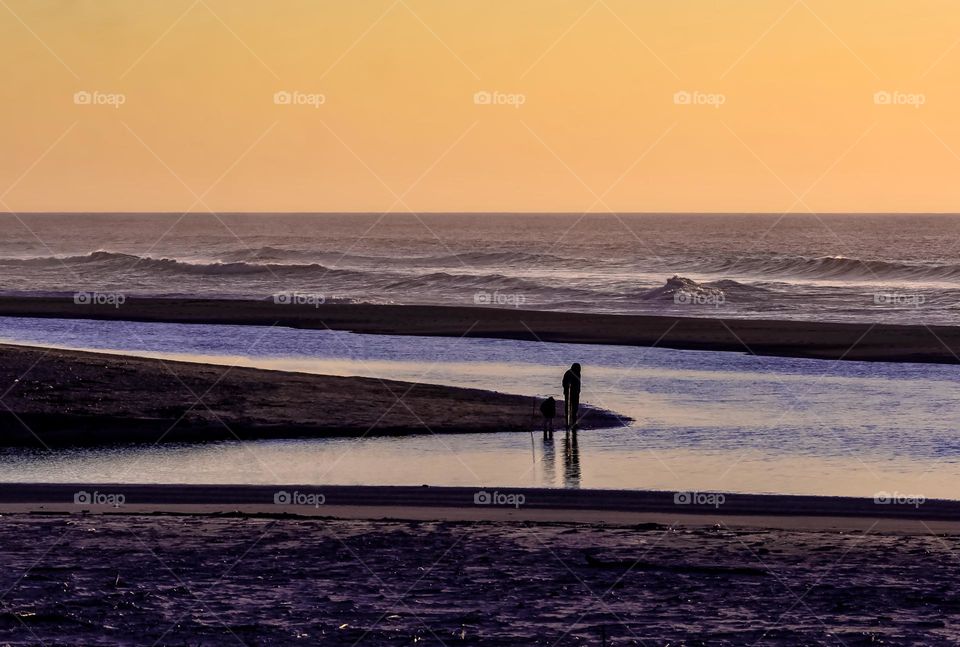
783 115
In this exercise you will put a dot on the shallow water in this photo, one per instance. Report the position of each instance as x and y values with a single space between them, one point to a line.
701 420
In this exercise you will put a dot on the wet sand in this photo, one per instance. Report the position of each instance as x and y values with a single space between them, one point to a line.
60 397
182 580
824 340
212 565
399 565
487 503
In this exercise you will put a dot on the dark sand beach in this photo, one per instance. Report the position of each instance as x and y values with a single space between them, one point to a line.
188 580
821 340
197 564
57 397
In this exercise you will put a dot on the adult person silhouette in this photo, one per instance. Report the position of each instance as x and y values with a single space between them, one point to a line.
571 395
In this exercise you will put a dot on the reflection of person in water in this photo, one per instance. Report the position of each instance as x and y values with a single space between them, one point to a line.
571 396
549 410
549 459
571 461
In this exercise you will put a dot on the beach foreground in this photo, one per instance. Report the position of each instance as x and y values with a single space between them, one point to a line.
175 580
57 397
812 339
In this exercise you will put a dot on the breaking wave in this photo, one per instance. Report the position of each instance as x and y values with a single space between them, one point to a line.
681 285
119 262
835 268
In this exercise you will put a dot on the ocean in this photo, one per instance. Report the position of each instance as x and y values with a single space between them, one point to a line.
700 420
875 268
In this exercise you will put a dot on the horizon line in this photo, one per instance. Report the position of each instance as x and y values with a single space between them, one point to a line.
487 213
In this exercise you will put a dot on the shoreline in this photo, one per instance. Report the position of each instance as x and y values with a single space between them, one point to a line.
781 338
459 504
59 397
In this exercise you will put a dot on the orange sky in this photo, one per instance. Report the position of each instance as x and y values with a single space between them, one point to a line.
783 113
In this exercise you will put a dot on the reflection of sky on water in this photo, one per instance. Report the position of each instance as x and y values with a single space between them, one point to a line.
703 420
